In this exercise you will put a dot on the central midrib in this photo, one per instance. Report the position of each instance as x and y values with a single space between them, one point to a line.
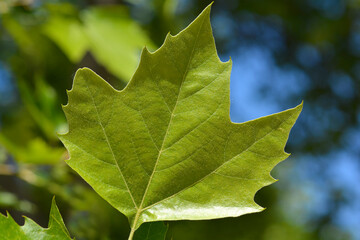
140 209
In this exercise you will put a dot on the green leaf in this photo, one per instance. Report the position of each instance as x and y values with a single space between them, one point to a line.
69 35
36 151
164 148
115 39
10 230
109 33
151 231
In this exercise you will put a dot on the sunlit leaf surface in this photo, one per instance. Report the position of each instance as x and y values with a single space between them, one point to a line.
164 148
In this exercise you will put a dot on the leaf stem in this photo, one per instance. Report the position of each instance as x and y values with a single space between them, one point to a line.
133 227
131 234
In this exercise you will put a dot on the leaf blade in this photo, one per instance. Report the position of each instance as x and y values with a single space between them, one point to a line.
156 143
56 230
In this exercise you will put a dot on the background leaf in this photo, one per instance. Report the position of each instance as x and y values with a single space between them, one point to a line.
109 33
69 35
151 231
107 27
56 230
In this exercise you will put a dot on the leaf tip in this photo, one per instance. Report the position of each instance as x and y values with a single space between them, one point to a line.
298 109
169 35
84 69
144 51
7 214
230 61
28 221
54 210
256 208
53 200
80 72
168 38
207 10
301 104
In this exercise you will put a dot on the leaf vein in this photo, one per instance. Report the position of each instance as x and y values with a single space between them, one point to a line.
100 160
216 169
158 87
196 127
204 87
189 156
109 145
169 124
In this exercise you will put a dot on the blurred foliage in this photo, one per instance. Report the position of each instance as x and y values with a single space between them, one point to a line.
99 30
313 50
